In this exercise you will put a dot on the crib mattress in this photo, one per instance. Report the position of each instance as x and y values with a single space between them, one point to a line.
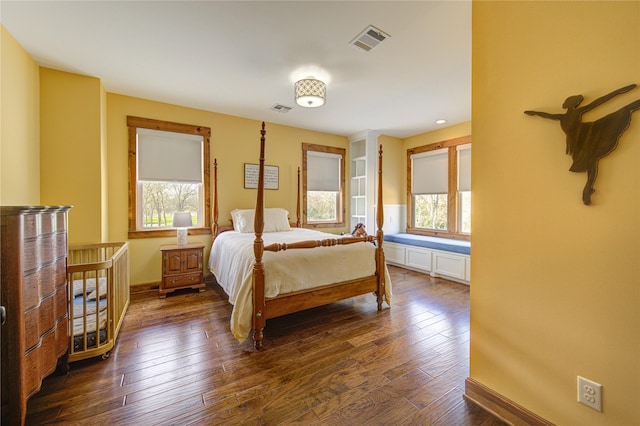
84 319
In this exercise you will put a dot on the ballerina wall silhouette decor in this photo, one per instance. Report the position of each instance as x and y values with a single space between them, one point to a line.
588 142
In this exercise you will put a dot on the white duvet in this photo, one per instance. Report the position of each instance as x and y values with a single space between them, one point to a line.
232 259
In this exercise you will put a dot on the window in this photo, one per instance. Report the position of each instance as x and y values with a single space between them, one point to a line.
439 189
430 187
168 173
322 186
464 188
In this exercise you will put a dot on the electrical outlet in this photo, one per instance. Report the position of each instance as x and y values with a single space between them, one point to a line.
590 393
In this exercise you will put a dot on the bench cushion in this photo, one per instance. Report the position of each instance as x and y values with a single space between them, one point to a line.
444 244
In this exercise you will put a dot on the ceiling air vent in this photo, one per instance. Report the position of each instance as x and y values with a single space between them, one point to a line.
369 38
280 108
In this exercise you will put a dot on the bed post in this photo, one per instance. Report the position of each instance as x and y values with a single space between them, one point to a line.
298 201
380 262
259 305
214 226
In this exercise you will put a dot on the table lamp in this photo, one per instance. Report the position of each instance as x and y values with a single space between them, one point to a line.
181 221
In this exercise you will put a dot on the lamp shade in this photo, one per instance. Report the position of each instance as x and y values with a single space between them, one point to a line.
182 219
310 93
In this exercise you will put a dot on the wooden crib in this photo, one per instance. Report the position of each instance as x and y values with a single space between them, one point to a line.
98 277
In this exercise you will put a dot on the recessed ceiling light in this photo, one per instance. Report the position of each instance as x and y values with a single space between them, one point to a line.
441 121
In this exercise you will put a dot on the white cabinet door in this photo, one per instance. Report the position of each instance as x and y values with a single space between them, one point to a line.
419 258
394 253
450 265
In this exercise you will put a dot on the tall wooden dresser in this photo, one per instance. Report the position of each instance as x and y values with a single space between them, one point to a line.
34 291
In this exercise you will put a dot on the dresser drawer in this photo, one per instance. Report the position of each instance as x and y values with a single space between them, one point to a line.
185 280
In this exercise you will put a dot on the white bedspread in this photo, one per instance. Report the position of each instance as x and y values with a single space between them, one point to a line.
232 259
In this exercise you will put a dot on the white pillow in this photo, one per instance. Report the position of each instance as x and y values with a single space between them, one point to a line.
275 220
242 220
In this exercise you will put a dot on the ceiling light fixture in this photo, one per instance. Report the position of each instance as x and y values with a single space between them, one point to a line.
310 93
441 121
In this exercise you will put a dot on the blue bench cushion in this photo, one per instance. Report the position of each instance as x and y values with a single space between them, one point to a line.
444 244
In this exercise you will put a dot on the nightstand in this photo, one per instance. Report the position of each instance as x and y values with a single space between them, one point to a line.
181 268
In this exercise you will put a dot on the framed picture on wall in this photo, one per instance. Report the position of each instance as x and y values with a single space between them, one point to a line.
251 176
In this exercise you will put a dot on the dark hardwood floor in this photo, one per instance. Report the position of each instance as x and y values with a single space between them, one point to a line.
176 363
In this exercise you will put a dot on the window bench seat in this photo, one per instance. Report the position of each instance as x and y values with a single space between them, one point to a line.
440 257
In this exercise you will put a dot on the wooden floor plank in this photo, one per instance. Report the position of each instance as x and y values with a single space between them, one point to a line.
177 363
380 406
370 382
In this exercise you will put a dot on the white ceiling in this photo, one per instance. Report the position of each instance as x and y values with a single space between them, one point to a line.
241 58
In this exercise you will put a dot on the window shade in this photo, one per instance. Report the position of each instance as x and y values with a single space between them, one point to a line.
430 172
323 171
464 167
169 156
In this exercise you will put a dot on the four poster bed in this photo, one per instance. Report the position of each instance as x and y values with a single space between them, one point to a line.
269 269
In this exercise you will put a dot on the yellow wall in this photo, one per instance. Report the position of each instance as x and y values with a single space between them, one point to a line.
104 178
393 165
556 284
446 133
19 124
234 141
71 145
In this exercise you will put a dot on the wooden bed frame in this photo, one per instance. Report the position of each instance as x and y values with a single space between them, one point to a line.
267 308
